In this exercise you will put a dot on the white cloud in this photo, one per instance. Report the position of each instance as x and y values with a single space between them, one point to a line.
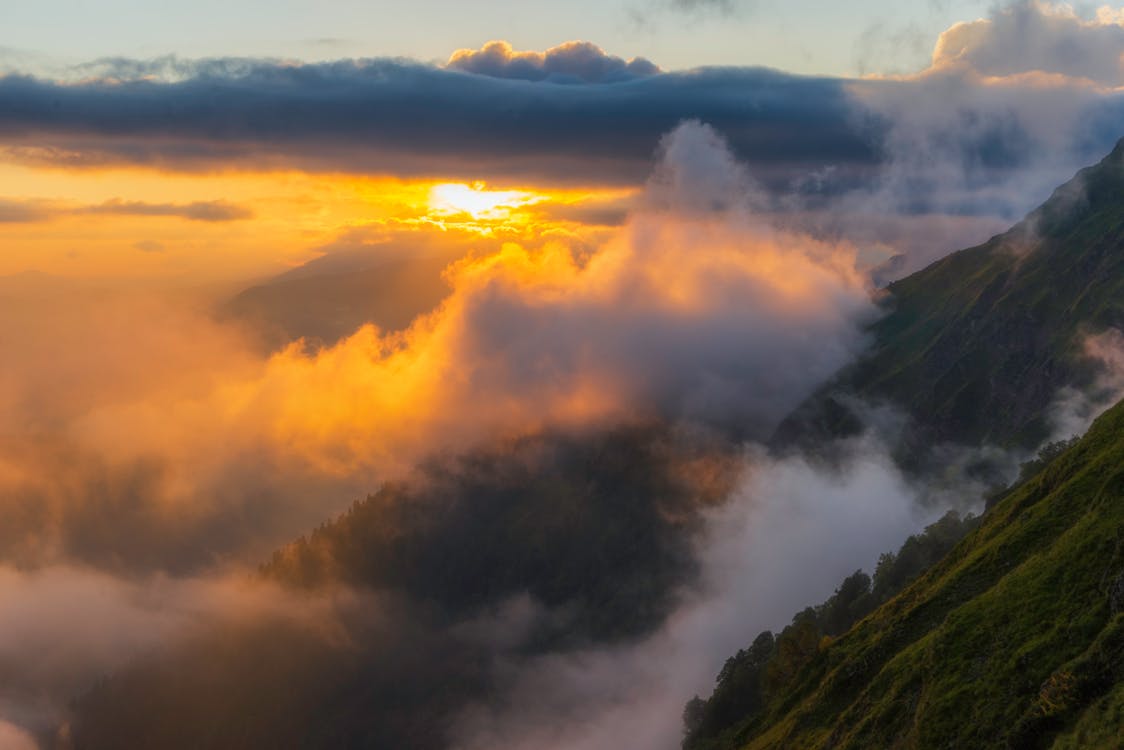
1035 37
784 541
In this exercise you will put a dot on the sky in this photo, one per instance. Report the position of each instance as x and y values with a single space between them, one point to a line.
259 258
122 125
805 36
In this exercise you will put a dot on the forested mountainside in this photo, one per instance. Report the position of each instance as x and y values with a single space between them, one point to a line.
561 539
1015 639
756 675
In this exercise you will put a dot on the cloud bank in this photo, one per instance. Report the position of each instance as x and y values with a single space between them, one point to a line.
391 116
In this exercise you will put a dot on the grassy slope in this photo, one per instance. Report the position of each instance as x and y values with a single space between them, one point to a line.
976 345
1014 640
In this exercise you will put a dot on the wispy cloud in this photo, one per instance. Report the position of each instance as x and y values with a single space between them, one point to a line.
33 210
197 211
648 12
22 211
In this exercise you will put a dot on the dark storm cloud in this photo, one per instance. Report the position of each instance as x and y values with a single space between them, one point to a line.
398 116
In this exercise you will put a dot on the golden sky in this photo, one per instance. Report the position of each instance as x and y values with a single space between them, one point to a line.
144 223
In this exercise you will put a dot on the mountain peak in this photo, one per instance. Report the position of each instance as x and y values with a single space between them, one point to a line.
1096 188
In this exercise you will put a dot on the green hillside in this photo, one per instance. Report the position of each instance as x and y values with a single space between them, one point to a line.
976 346
1014 640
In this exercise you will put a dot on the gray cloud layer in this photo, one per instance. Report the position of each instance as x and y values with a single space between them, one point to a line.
388 115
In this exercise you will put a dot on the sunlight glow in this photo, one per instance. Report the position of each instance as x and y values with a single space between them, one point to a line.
451 198
136 223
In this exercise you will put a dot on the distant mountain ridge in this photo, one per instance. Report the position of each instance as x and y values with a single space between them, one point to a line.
323 307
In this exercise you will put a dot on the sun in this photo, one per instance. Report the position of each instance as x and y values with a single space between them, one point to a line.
452 198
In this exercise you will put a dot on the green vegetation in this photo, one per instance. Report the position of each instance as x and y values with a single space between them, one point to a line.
976 346
1015 639
757 675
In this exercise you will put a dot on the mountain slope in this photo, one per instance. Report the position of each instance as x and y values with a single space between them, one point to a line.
1015 639
542 544
975 347
325 307
752 678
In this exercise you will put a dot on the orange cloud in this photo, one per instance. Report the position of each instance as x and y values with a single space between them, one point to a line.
245 225
568 62
693 310
529 337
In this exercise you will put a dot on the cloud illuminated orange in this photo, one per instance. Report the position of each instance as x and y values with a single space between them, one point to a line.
125 222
